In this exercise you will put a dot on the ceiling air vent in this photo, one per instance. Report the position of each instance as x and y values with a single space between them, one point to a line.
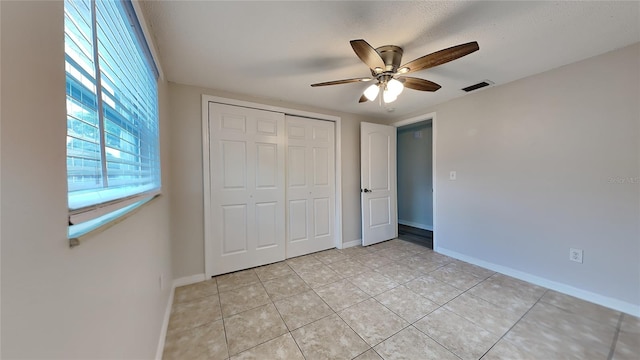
478 85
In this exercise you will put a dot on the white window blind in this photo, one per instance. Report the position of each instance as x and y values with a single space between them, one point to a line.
113 152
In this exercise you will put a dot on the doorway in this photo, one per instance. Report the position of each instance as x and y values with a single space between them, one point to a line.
415 181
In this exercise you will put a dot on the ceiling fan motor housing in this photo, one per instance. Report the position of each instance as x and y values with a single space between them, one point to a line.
391 55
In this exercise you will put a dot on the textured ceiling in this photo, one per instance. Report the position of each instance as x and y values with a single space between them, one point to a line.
276 50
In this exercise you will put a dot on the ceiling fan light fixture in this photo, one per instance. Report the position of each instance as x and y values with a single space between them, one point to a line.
395 87
371 93
388 96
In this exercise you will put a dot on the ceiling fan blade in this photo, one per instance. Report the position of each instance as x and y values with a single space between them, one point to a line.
363 99
440 57
338 82
367 54
418 84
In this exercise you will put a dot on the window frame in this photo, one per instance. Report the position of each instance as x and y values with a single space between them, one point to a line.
85 219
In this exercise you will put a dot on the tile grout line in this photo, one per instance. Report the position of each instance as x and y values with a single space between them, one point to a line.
370 297
198 326
612 350
442 307
354 331
434 340
326 316
224 326
244 311
409 324
335 312
285 324
298 345
462 293
282 318
473 322
516 323
274 305
340 317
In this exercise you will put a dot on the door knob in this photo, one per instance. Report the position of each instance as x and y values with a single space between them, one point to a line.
366 190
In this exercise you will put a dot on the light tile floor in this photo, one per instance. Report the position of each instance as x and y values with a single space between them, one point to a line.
393 300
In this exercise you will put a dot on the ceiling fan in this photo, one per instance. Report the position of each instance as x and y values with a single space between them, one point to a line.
384 63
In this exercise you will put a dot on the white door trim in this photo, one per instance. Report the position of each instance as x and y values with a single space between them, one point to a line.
416 119
206 99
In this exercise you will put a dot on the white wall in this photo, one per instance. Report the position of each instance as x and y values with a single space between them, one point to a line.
101 299
415 199
544 164
0 187
186 163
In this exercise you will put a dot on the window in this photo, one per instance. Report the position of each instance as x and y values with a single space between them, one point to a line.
113 152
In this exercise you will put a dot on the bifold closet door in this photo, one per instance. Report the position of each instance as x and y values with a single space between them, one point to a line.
310 205
247 183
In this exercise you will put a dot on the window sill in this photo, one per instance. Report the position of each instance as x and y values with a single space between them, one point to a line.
79 233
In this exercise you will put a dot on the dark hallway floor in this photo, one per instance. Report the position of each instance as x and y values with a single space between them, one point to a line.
415 235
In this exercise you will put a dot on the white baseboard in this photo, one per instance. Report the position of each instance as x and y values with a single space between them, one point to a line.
187 280
165 325
351 243
606 301
415 225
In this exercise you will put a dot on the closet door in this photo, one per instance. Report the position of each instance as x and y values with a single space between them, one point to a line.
247 187
310 185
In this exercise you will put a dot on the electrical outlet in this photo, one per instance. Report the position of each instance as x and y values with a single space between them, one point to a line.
452 175
575 255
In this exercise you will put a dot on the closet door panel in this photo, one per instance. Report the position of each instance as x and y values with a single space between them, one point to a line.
310 185
247 185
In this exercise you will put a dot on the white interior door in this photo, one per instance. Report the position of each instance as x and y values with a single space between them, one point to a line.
378 183
310 194
247 187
